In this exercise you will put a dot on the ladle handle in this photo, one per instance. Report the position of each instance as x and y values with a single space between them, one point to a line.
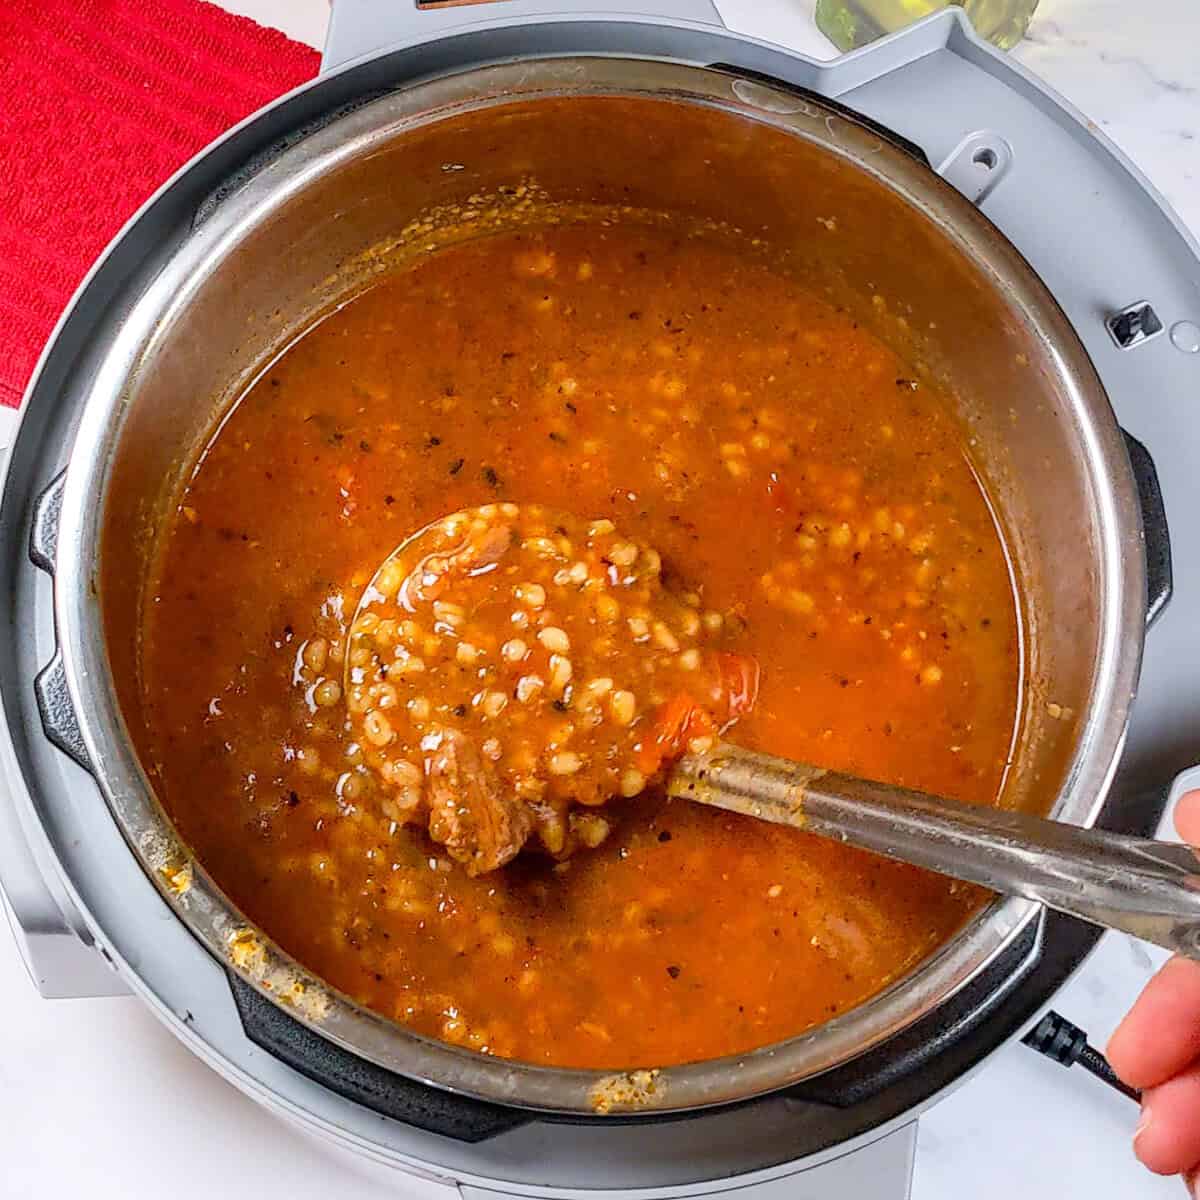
1146 888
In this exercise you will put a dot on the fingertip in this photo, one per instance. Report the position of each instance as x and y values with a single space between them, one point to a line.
1153 1150
1143 1119
1187 817
1167 1139
1160 1036
1120 1054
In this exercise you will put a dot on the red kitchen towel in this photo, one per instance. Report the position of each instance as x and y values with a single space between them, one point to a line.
100 101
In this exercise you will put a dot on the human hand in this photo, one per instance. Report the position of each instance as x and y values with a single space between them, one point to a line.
1157 1048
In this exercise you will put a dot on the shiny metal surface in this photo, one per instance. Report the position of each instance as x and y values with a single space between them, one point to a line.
287 243
1146 888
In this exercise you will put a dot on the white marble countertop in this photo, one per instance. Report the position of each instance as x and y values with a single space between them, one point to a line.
96 1098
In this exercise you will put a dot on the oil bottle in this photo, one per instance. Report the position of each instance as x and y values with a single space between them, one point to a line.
851 23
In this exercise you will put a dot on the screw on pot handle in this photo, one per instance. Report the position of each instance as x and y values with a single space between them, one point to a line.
50 687
1154 526
359 27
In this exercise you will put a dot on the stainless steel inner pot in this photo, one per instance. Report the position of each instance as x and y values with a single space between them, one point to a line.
853 215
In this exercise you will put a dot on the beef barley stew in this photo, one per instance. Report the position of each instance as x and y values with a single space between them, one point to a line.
796 497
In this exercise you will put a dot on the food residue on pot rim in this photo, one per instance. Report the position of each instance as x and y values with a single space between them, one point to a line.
634 1089
286 984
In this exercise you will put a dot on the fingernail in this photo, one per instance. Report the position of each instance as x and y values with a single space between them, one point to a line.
1143 1121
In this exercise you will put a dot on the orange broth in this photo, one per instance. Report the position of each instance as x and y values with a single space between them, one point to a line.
797 480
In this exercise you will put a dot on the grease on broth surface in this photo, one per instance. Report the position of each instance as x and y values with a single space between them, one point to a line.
793 475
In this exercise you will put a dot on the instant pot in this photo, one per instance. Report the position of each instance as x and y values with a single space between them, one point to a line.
899 164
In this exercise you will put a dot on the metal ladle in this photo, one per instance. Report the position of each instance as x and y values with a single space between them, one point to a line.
1146 888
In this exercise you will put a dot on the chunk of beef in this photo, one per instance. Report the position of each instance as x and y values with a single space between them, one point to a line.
478 554
481 825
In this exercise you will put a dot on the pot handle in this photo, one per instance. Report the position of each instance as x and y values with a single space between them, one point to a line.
1156 535
50 686
359 27
58 951
460 1117
55 944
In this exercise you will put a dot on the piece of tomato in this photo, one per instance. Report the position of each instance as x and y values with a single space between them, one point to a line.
739 677
675 724
682 718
